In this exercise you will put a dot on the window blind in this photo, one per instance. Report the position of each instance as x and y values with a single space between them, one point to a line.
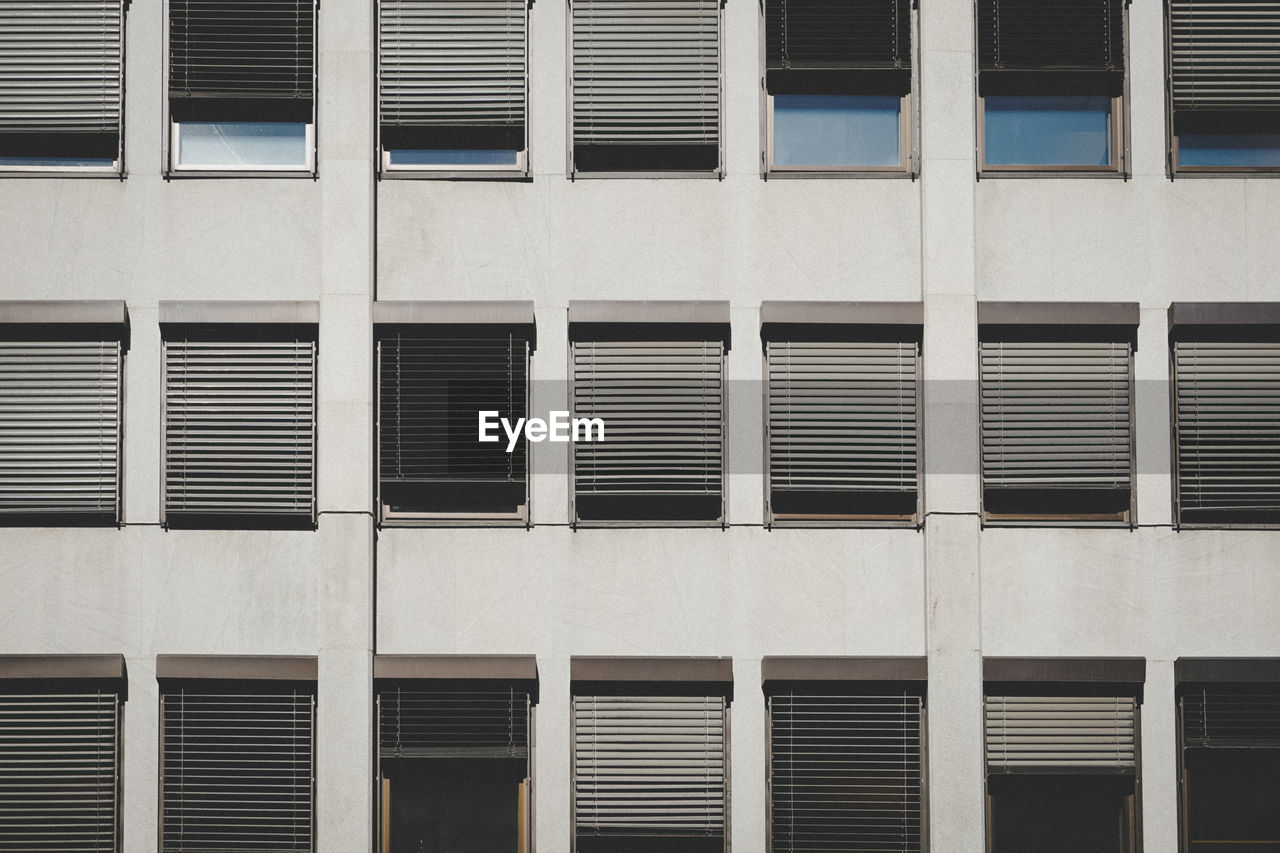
59 762
649 765
452 74
1039 734
646 74
461 721
60 428
1227 422
239 428
242 60
845 772
1029 47
1224 66
60 78
842 420
1231 715
825 46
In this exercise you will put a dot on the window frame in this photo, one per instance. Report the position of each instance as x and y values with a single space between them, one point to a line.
234 169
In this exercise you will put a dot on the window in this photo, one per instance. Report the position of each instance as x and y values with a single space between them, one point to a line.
451 87
1056 391
838 85
652 373
1062 756
242 85
1229 753
650 754
237 754
845 753
645 86
1224 83
61 86
842 404
1051 81
1226 400
239 414
440 364
455 753
60 411
60 756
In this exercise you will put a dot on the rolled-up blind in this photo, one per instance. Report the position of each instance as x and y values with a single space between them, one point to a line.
228 57
1037 734
1058 47
1225 66
1227 420
1231 715
845 772
59 763
60 428
452 74
649 765
237 770
830 46
457 722
60 78
239 428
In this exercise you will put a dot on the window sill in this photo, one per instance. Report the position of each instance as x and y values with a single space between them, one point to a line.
885 523
838 174
183 174
1237 172
407 174
615 176
458 521
82 174
1069 172
1057 521
718 524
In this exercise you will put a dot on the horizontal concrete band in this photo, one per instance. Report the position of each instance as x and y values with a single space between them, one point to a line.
850 313
460 667
703 670
459 313
1117 670
62 666
1058 313
238 667
68 311
1187 670
1224 314
843 669
648 311
240 312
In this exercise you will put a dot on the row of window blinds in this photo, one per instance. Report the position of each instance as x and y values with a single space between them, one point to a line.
1227 417
452 74
843 416
239 427
856 48
1224 68
1064 47
244 52
662 404
59 764
1039 734
1231 715
649 765
845 772
60 428
461 722
1056 415
60 77
429 393
237 771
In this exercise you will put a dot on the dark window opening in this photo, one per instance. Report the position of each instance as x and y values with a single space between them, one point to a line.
1068 813
455 805
1231 797
664 844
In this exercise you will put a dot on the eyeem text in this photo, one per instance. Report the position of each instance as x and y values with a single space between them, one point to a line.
560 427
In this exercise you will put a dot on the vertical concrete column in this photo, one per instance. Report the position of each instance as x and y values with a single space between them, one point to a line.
952 564
748 793
1159 739
344 705
1152 419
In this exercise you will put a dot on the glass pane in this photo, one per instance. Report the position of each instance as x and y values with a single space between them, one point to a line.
242 143
56 162
1229 149
455 805
836 130
463 157
1051 130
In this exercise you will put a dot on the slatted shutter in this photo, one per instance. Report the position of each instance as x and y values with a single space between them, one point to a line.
242 60
1227 421
662 404
845 772
237 769
649 765
487 721
1068 47
60 428
646 75
1057 416
1231 716
843 426
829 46
239 428
1224 60
60 78
452 74
1043 734
59 763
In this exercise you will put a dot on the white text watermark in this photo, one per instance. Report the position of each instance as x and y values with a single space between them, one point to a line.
559 427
